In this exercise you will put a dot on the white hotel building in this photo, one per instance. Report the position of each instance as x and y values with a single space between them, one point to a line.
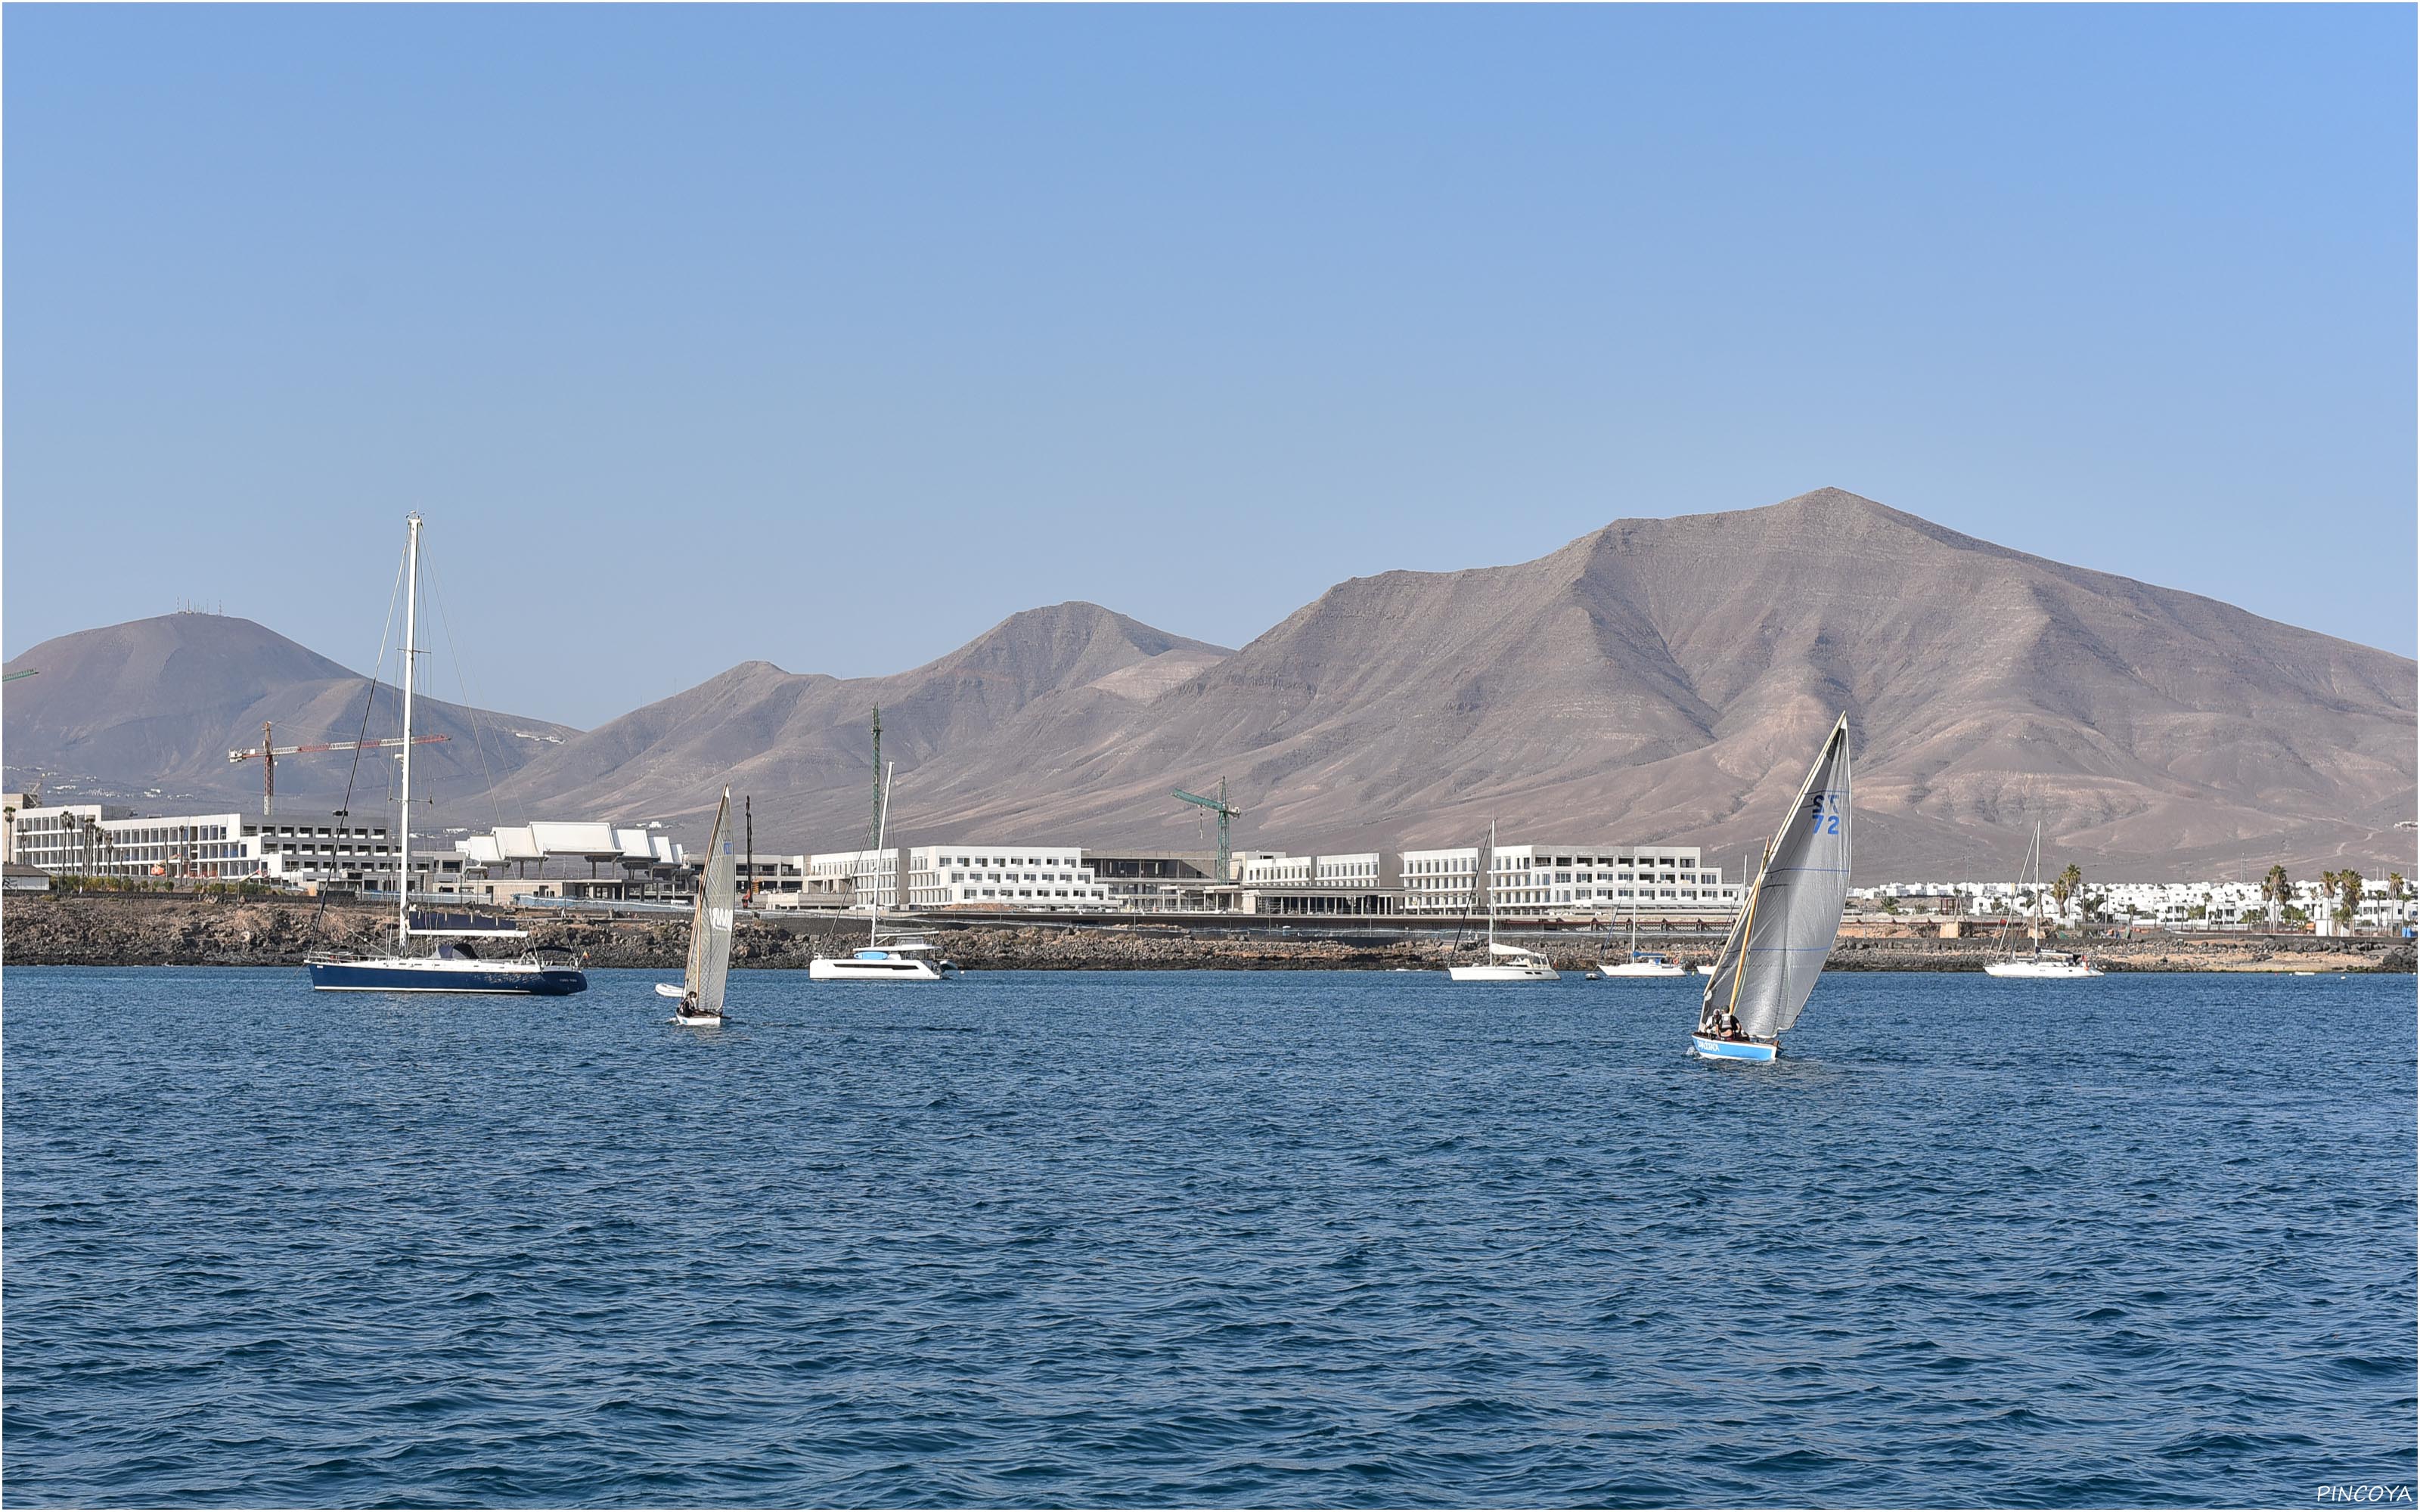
961 874
106 841
1565 879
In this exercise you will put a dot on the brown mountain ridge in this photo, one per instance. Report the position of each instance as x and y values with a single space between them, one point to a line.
1655 680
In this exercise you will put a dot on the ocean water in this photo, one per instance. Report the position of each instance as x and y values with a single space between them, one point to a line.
1205 1239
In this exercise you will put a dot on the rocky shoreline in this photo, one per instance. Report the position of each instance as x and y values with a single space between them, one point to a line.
143 931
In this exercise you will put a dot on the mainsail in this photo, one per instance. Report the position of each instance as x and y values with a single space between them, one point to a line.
709 934
1777 947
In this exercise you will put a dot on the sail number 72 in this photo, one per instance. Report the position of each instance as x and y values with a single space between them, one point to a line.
1825 824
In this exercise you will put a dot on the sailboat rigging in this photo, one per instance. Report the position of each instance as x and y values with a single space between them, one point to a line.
2046 965
455 967
1649 963
1504 963
709 931
885 957
1777 947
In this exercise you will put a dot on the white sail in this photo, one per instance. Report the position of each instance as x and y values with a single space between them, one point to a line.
709 935
1777 947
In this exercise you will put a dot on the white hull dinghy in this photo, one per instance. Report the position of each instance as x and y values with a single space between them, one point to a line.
699 993
1776 950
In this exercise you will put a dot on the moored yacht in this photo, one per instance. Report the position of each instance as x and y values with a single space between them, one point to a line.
456 965
1504 963
884 957
2042 966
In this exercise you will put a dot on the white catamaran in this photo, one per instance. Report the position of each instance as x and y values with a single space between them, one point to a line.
1775 952
886 957
709 931
1504 963
2049 965
453 966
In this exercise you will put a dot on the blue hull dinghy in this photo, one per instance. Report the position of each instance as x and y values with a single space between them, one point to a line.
1770 960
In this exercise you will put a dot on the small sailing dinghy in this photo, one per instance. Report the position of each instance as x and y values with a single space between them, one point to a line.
1775 952
1504 963
700 994
2042 966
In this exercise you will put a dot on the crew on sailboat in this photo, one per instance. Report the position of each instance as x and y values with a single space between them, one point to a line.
1770 960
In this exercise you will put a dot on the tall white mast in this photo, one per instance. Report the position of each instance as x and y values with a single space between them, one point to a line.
881 827
1489 882
403 850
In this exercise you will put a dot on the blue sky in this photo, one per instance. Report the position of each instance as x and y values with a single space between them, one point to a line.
833 336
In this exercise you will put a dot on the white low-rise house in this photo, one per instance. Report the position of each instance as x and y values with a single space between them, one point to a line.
2186 905
1533 879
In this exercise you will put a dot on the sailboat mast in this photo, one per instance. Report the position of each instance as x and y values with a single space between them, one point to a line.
882 827
403 826
1488 881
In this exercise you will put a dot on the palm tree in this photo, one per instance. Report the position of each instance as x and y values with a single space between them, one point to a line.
2276 888
2349 884
2066 885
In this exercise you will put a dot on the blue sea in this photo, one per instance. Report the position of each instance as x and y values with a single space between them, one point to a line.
1321 1239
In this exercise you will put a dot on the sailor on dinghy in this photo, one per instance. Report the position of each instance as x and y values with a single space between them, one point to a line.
1769 962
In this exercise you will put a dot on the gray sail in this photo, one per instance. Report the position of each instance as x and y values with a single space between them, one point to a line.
1779 944
709 935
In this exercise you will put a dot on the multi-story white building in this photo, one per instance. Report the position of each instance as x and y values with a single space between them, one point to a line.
1534 879
960 873
1272 882
105 841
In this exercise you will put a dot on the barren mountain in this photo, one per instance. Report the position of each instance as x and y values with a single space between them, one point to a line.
1669 679
800 744
1654 680
147 712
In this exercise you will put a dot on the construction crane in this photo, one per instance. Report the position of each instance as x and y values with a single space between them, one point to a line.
1225 812
269 754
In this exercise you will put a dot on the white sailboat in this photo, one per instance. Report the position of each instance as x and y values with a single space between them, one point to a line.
1776 950
455 966
699 993
2042 966
884 958
1504 963
1647 964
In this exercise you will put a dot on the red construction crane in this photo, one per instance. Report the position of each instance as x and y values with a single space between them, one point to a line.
269 754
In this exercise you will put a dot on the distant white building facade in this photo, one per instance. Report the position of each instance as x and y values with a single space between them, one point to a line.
104 840
1537 880
960 875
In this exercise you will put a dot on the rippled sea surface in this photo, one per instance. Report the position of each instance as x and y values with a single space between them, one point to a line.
1225 1237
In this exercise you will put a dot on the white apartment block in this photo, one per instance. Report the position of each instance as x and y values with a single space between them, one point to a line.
1535 879
97 841
961 873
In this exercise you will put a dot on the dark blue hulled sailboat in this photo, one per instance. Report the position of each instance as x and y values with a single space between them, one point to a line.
455 965
1774 953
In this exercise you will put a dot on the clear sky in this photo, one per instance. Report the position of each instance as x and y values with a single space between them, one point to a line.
833 336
